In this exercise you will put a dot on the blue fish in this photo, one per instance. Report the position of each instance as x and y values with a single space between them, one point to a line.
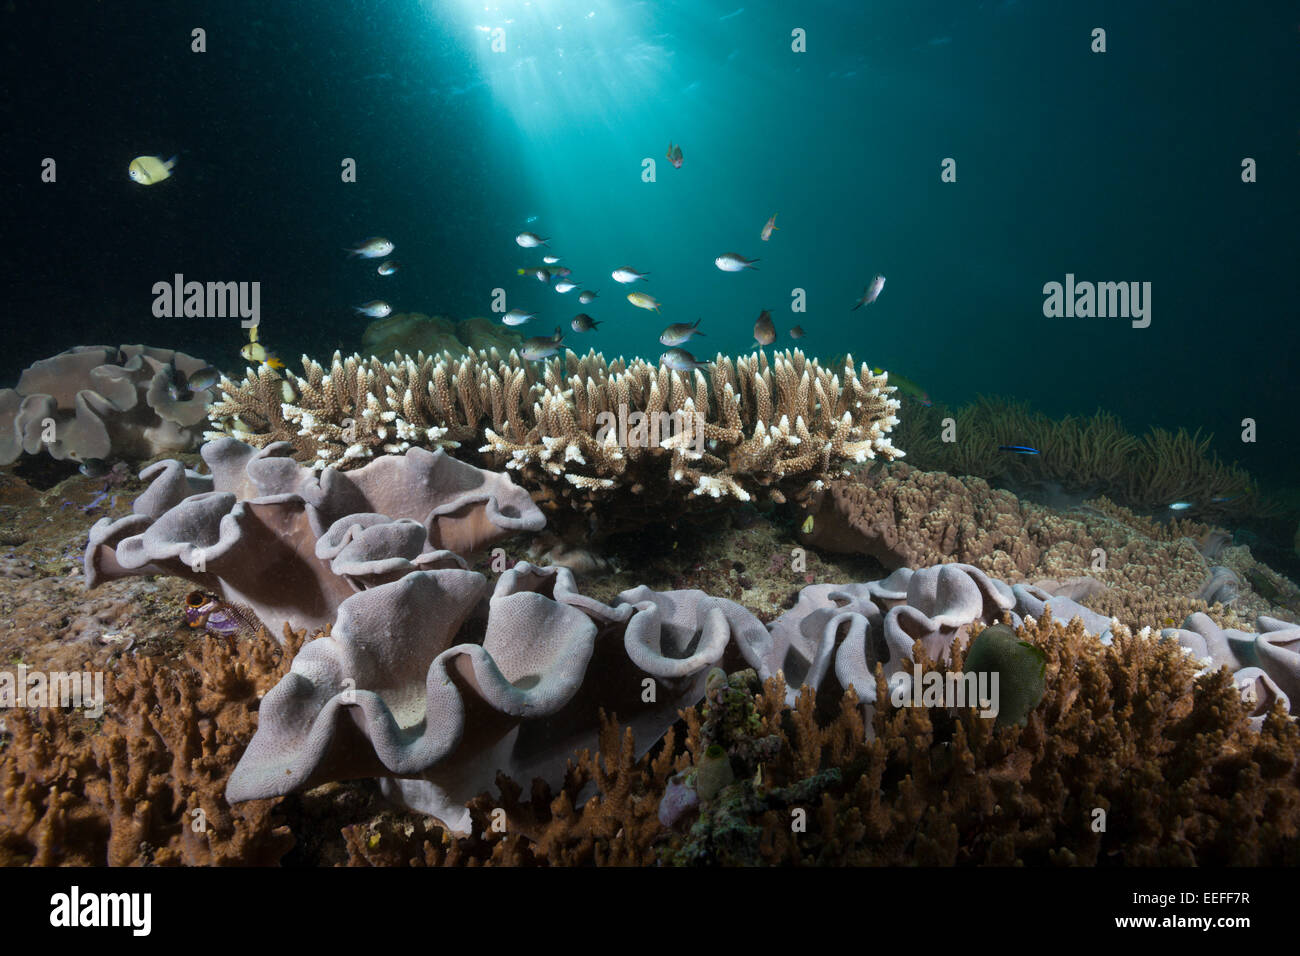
1019 449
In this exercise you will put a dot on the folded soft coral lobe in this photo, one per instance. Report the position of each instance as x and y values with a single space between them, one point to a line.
292 545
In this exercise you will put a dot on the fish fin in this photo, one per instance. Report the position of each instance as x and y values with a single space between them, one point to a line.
697 324
171 162
698 332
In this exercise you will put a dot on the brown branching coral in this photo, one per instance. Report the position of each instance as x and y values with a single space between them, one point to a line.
1129 759
581 428
617 826
145 784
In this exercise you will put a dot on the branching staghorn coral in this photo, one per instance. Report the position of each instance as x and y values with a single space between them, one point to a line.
580 428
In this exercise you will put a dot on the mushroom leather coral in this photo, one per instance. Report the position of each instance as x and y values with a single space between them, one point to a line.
293 545
103 401
437 711
429 704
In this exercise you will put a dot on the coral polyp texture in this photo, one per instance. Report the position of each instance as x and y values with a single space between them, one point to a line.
101 401
581 429
292 545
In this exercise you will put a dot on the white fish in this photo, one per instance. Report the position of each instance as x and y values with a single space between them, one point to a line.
870 293
530 240
375 248
564 285
1181 506
731 262
387 268
517 317
377 309
626 274
550 260
681 360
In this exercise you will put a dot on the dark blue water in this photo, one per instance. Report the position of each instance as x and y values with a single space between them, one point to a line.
1122 166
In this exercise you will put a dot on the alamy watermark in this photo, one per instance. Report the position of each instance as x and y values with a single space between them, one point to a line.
208 300
951 689
654 430
1102 300
83 690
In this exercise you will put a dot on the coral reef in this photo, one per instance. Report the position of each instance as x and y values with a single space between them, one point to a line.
1121 565
1266 665
291 545
1092 455
629 435
407 333
445 709
1128 759
145 783
447 693
103 402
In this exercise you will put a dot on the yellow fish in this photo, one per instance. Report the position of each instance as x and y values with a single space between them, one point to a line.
807 525
643 301
256 352
147 170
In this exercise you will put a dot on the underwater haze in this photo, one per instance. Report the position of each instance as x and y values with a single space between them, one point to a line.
1115 166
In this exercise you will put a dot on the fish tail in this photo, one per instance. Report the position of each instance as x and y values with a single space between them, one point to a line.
172 162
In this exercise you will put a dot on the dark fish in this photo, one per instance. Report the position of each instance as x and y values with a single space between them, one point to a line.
1018 449
178 388
203 378
796 332
542 347
94 468
582 322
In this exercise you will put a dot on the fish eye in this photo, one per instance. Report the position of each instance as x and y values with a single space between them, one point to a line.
196 599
